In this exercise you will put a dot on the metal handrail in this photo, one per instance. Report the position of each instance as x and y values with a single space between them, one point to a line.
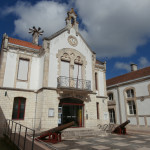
9 130
74 83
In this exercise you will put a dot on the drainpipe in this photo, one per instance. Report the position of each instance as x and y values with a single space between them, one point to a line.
118 93
35 109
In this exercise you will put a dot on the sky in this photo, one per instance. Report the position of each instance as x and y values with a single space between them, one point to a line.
118 31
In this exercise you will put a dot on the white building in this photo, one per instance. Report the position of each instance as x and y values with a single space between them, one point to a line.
45 86
129 98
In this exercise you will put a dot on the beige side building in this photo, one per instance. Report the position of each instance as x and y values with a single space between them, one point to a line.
129 99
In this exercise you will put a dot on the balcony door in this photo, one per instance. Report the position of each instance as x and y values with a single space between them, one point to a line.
65 69
78 75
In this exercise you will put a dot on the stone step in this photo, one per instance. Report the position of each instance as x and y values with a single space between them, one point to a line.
78 132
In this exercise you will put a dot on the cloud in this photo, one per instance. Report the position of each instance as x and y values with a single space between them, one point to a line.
48 15
115 27
143 62
111 28
122 66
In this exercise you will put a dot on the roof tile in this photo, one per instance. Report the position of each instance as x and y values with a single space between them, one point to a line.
23 43
129 76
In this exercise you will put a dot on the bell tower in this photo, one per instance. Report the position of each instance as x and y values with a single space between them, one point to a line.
71 20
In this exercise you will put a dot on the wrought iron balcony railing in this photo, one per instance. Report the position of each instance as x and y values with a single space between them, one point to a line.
73 83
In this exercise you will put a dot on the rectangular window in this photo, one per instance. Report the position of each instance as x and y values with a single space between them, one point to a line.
112 115
18 108
65 73
97 107
96 85
132 108
23 69
65 68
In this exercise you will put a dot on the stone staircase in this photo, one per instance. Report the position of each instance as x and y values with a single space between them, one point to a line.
82 132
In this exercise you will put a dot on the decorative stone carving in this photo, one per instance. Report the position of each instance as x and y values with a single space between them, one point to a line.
72 40
65 57
72 56
78 60
142 98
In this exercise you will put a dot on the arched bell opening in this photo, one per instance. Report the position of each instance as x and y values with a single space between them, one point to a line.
71 109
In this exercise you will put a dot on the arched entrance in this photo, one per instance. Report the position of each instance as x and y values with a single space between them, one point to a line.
71 109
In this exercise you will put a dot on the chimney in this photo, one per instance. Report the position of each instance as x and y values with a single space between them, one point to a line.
35 34
133 67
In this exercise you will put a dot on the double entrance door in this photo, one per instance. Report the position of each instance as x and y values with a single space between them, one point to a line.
72 112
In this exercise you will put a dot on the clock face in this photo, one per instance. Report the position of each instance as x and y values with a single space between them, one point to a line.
72 40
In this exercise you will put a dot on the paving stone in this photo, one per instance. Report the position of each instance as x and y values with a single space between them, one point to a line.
100 147
118 138
121 144
60 145
143 148
111 142
102 140
138 141
132 137
83 143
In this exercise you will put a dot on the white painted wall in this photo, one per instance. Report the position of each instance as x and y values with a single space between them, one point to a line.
143 107
21 85
132 121
122 104
10 70
141 88
101 83
36 78
61 42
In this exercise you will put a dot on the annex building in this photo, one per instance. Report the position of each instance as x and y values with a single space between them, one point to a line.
43 86
129 99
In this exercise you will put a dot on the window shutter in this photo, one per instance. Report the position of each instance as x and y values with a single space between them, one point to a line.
64 68
77 71
23 69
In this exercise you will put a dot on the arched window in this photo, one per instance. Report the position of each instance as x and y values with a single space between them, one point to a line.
130 97
110 96
130 93
18 108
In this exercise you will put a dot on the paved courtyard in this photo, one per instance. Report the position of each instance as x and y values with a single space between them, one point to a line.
110 142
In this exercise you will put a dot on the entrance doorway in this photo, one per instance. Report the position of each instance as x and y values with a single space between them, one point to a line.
71 110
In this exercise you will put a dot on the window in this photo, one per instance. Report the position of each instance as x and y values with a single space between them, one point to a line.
112 116
65 68
23 69
132 108
96 85
130 93
97 107
72 20
110 96
18 108
65 73
78 75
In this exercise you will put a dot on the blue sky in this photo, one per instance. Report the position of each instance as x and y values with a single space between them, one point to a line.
118 31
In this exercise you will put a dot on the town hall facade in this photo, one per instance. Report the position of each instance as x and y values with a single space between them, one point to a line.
61 81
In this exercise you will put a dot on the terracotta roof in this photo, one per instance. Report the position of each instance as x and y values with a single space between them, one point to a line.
129 76
99 62
23 43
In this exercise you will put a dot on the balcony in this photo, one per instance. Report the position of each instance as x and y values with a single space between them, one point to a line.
73 83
